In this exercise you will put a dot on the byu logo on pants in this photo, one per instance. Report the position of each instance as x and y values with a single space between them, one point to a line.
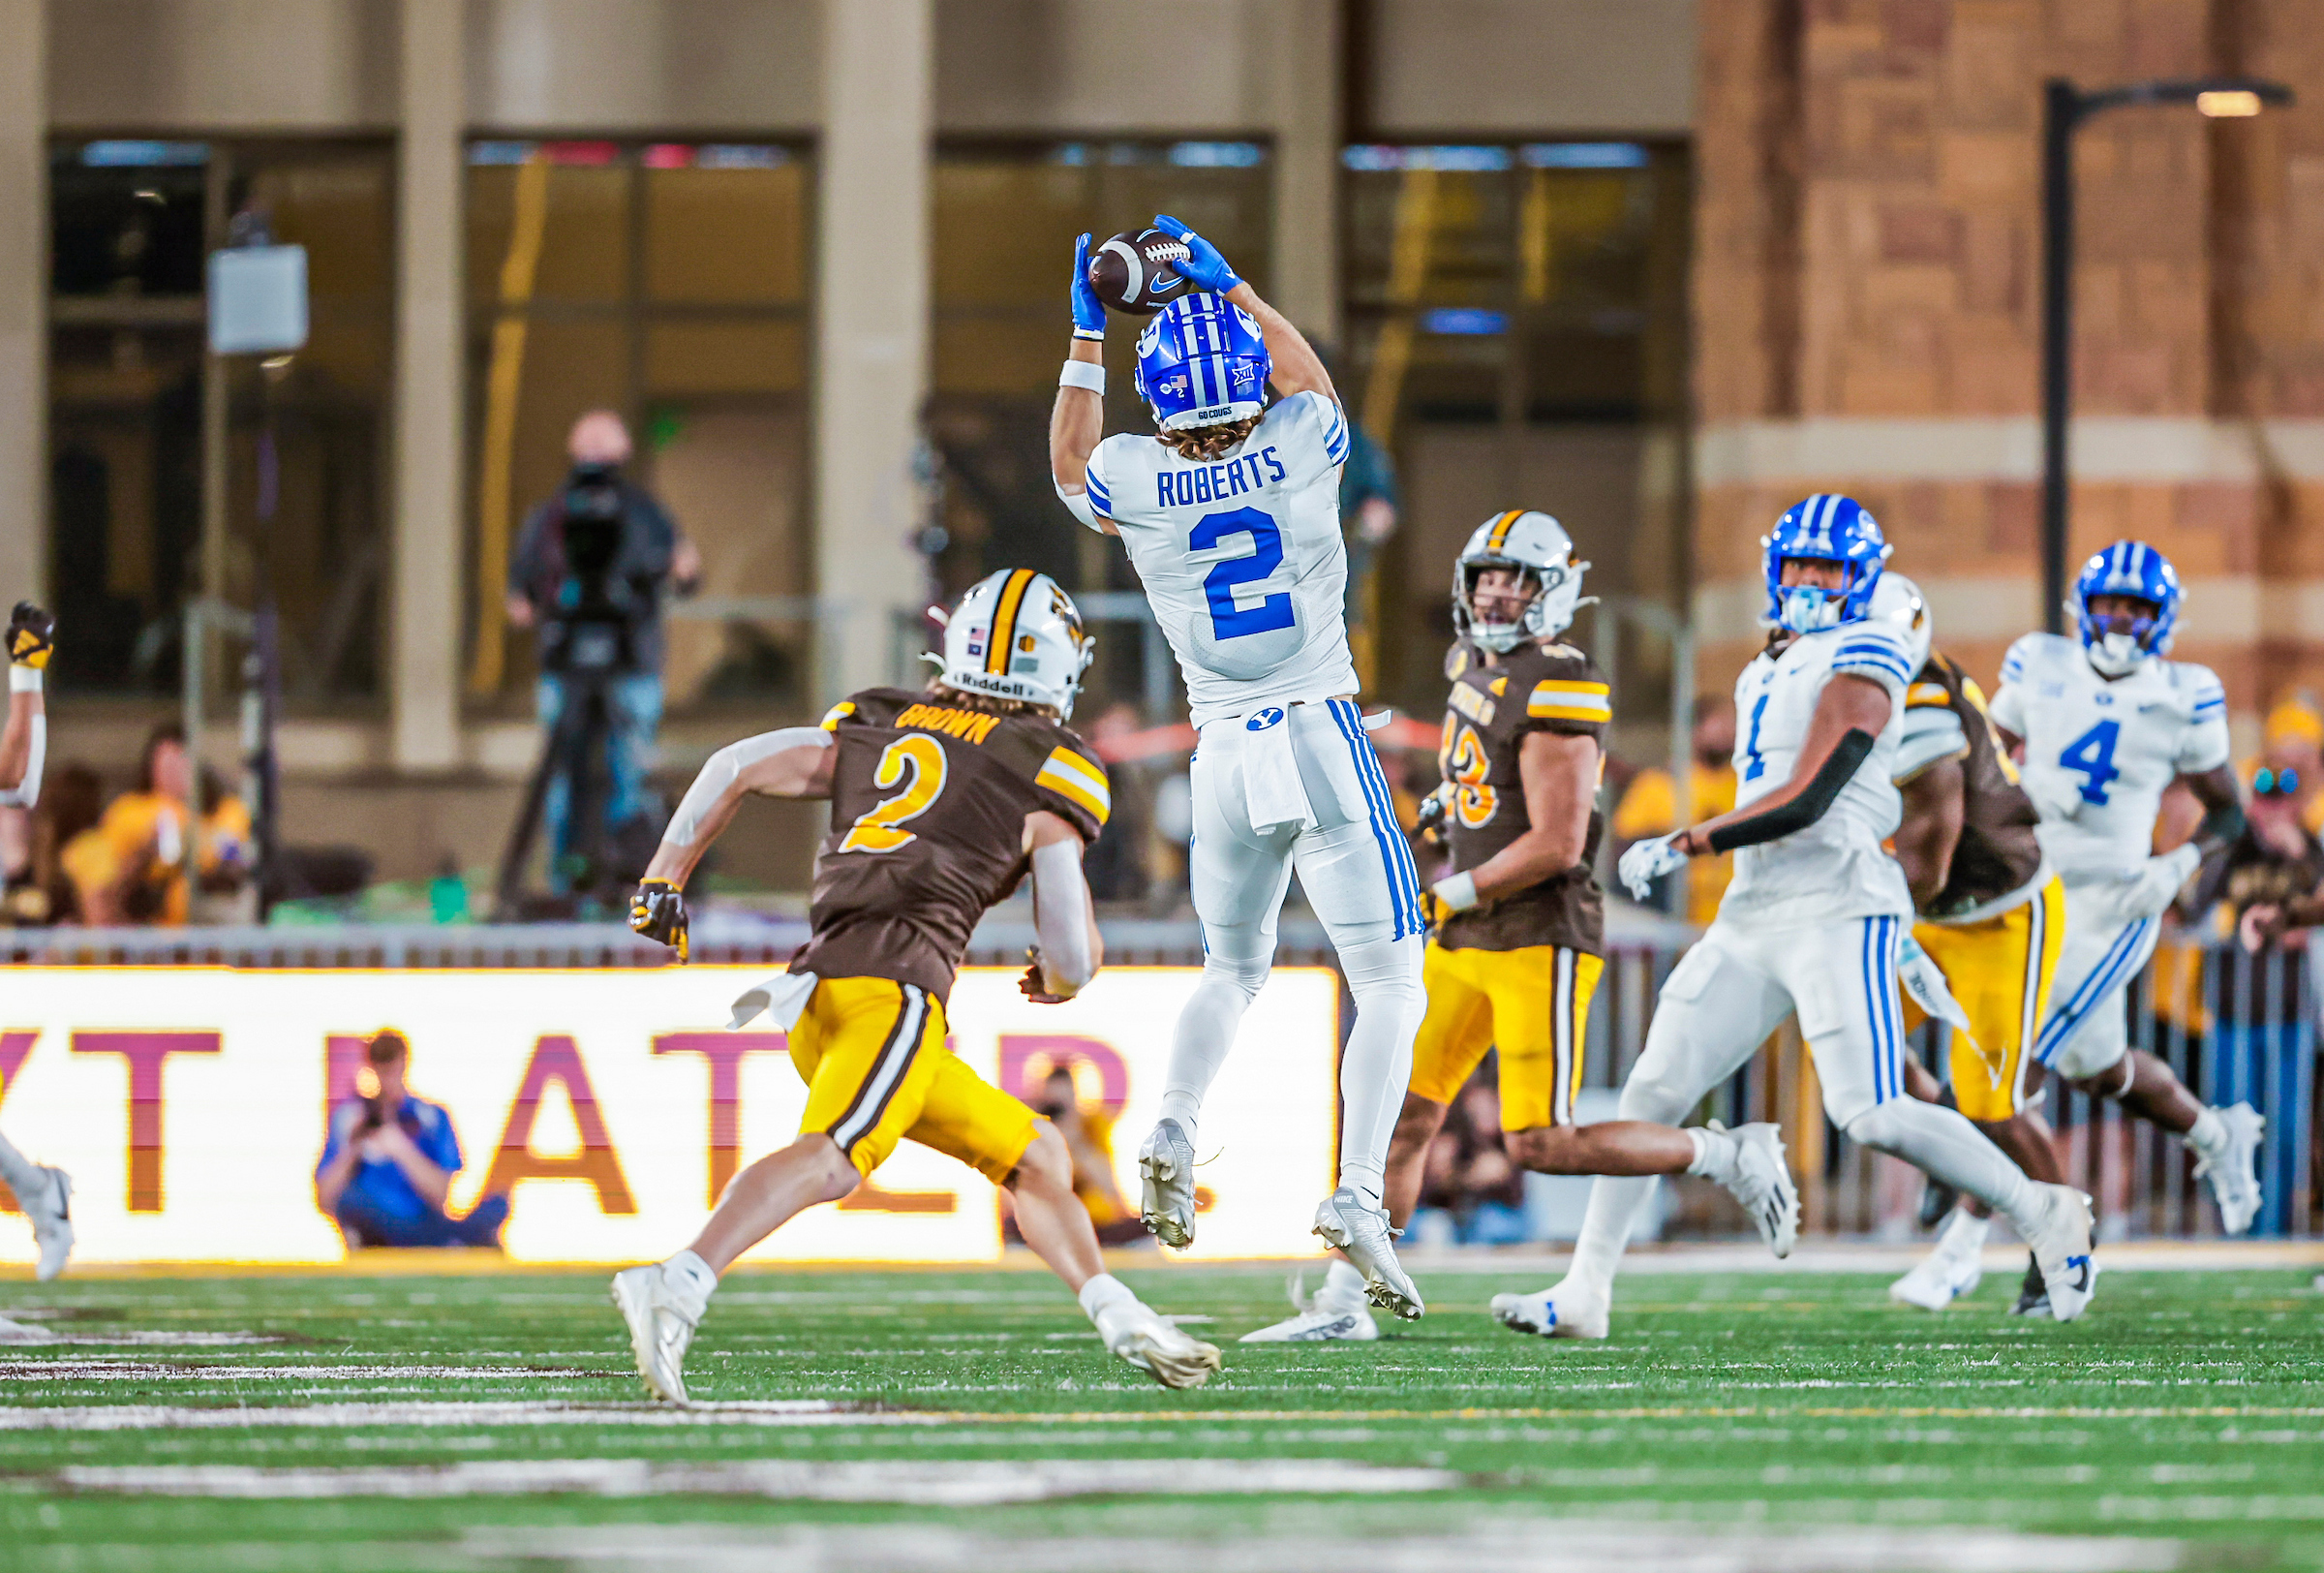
1269 716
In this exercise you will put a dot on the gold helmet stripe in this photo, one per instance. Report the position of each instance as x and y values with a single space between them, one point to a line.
1005 620
1500 536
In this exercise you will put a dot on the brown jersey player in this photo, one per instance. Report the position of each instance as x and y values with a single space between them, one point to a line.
1990 915
943 803
1519 940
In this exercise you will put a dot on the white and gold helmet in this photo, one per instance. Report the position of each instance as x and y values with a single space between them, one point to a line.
1017 635
1532 543
1898 600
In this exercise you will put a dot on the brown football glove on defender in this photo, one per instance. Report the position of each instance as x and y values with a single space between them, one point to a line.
31 635
658 912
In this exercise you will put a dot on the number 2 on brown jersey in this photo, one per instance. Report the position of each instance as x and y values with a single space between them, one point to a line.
874 830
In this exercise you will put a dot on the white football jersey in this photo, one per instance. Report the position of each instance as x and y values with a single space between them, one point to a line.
1837 868
2099 754
1241 558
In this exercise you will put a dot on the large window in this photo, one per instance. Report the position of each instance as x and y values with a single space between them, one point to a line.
668 282
292 447
1516 318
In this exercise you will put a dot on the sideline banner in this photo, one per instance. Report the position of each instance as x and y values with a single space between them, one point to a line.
188 1105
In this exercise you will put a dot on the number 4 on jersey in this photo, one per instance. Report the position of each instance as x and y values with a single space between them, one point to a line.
2092 755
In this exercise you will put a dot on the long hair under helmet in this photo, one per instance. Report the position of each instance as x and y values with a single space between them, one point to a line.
1017 635
1835 529
1202 362
1531 543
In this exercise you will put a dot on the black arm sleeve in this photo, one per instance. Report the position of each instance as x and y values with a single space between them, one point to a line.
2221 826
1808 807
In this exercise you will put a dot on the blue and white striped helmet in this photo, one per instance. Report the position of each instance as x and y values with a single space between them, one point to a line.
1835 529
1202 362
2128 568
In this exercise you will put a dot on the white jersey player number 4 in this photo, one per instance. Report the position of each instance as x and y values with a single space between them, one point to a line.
1230 512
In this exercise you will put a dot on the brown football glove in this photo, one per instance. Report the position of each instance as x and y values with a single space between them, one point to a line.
31 635
658 912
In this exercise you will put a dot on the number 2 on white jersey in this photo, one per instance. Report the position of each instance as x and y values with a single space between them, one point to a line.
1227 620
874 831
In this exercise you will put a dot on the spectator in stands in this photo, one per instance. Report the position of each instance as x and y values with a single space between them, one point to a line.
130 867
389 1162
2293 740
1470 1192
1649 807
1088 1131
40 891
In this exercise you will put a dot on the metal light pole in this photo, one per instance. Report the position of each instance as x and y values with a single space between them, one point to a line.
2064 109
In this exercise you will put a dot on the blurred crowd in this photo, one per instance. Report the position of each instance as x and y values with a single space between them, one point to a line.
173 842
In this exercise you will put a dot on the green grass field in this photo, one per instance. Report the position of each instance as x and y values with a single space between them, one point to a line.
972 1420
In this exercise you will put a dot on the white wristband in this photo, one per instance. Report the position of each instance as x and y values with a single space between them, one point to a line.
23 680
1084 374
1458 891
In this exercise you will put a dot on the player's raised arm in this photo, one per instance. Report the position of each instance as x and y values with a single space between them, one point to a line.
1297 368
1077 421
24 742
793 763
1065 919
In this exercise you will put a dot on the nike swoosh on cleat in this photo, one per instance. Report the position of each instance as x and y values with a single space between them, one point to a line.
2082 1282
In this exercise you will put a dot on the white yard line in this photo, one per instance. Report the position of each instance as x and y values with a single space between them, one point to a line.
349 1416
147 1370
974 1484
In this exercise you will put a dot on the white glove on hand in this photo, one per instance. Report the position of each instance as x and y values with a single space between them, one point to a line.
2155 884
1647 861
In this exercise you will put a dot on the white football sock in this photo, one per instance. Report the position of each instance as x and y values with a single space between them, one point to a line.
1205 1034
1343 1285
1103 1291
690 1274
1964 1233
1605 1226
23 1175
1383 976
2209 1134
1939 1141
1716 1154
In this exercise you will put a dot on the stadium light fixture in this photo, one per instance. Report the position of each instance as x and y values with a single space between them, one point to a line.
2065 107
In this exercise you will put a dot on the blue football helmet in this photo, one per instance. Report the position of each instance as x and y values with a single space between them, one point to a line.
1202 362
2128 568
1836 529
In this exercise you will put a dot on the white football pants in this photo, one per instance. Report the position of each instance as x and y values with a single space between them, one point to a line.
2087 1031
1312 764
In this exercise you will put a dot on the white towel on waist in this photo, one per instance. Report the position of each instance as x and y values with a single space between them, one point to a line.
782 997
1272 788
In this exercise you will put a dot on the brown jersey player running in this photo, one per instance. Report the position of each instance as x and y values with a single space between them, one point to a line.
1520 938
1991 916
942 802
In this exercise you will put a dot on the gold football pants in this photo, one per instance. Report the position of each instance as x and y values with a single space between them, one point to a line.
1999 972
1533 1004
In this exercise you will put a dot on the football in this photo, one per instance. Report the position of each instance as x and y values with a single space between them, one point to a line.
1137 274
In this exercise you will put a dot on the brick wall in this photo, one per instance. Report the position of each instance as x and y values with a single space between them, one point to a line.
1867 310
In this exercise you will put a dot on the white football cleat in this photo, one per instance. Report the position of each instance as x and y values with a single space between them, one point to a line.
1939 1278
1762 1184
661 1318
1166 1182
1134 1331
1318 1322
1555 1313
2057 1227
2233 1174
1344 1219
51 1216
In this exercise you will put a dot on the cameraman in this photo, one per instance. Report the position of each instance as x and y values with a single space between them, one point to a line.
389 1162
589 571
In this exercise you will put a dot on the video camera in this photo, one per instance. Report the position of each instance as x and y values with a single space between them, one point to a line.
590 627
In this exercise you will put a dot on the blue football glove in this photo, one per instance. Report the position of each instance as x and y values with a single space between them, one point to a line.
1203 267
1647 861
1088 312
